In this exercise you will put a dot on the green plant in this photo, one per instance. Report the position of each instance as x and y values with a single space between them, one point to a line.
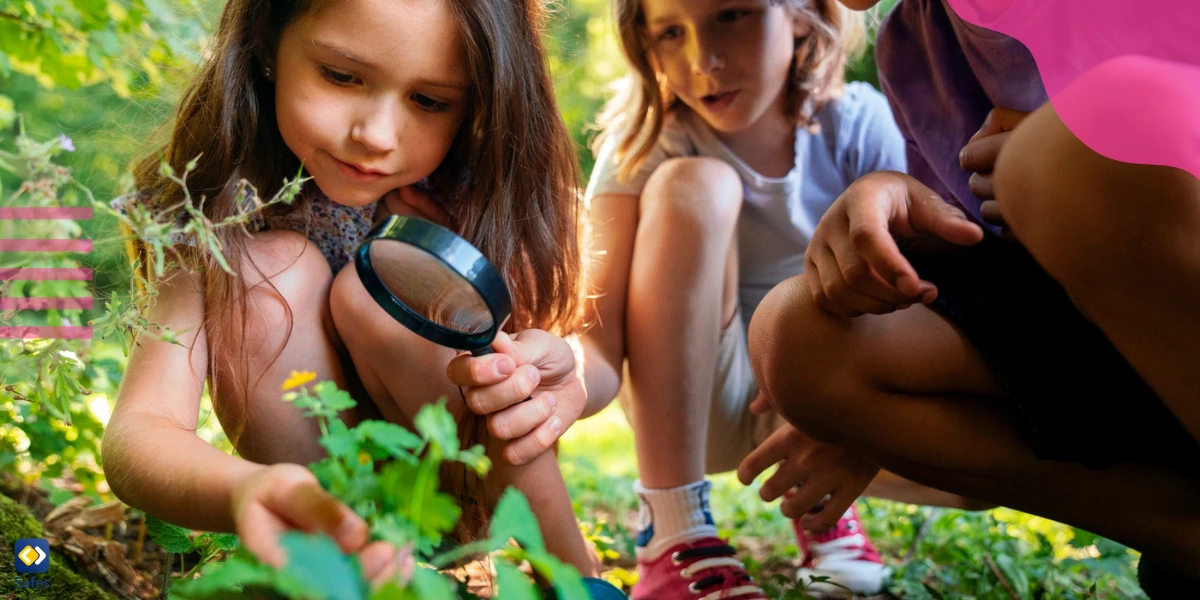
389 476
47 427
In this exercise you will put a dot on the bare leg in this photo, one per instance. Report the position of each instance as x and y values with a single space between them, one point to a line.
682 289
402 372
1123 241
908 392
894 487
263 428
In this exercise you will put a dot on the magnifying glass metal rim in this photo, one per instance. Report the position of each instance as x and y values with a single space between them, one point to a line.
457 254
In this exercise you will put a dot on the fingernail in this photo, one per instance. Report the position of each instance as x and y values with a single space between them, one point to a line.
555 424
374 563
534 375
346 529
505 367
552 401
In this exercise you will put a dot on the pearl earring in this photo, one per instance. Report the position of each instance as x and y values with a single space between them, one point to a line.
267 72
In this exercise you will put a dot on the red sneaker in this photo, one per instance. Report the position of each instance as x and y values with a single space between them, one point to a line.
844 555
706 569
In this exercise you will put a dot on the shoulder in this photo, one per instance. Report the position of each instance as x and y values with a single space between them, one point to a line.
859 107
676 139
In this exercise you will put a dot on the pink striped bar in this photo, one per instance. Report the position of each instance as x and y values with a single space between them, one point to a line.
59 274
45 245
79 303
45 212
67 332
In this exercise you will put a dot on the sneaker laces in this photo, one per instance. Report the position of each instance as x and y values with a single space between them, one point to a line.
851 547
724 570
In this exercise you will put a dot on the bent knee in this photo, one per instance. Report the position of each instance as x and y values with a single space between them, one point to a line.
701 190
801 359
286 265
1066 203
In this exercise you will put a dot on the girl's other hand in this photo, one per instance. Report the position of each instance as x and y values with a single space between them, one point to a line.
532 363
285 497
978 157
809 472
412 202
853 266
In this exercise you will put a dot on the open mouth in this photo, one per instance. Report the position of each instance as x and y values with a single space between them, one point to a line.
718 101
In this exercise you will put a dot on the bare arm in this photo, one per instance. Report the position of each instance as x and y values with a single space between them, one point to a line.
614 220
152 456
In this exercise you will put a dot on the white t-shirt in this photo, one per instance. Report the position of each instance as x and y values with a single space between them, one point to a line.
857 136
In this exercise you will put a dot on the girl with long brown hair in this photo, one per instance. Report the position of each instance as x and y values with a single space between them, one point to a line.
441 109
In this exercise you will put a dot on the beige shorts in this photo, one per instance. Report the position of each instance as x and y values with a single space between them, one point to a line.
733 431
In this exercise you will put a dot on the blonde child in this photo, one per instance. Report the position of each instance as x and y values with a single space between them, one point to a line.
432 106
732 135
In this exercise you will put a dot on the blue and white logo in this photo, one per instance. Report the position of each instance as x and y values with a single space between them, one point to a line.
32 555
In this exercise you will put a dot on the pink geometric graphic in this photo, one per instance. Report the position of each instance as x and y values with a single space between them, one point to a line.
68 245
1123 75
45 274
76 303
48 274
69 332
41 212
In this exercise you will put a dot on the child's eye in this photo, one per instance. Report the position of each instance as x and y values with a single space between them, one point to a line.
729 16
429 104
669 34
338 77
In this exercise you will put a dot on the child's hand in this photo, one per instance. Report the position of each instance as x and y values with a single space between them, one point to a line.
809 471
530 363
283 497
411 202
978 157
853 265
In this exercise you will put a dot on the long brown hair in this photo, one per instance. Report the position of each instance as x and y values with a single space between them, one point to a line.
509 180
634 117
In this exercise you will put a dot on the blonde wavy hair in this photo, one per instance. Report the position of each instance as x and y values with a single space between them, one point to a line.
635 115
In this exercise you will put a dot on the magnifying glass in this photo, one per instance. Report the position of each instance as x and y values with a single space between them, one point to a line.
434 282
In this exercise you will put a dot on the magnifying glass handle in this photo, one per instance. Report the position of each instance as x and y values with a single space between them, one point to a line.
486 350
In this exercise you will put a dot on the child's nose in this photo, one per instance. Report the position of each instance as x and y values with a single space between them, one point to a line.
705 56
378 127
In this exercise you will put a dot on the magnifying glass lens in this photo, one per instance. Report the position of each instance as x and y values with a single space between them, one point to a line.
430 287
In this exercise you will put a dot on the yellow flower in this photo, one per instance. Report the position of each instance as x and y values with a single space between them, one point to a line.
298 379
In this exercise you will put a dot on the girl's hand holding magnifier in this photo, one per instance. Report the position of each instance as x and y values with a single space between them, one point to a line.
531 364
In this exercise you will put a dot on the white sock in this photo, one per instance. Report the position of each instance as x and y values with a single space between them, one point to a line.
671 516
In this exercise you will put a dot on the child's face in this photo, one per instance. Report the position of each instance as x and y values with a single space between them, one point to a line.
369 94
729 60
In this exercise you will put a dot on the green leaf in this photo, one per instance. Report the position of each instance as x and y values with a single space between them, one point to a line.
431 585
1015 574
394 440
568 585
316 568
514 519
227 542
513 585
172 538
417 501
340 442
333 400
240 570
1081 538
435 423
475 459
